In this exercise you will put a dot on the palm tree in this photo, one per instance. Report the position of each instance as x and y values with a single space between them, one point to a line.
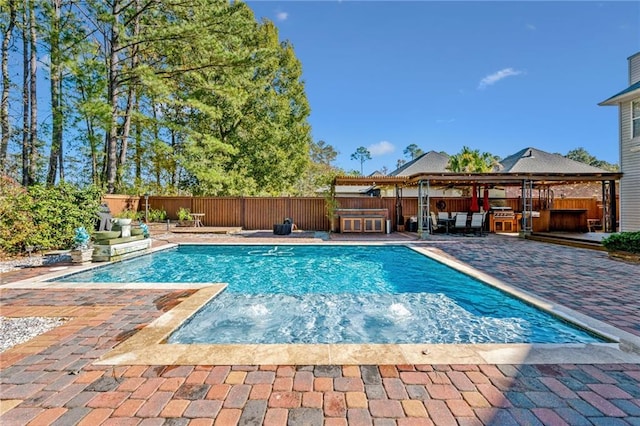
472 161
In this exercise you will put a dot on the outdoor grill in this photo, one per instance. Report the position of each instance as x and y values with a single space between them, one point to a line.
506 213
503 219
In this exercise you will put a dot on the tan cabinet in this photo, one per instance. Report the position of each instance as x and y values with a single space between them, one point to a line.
373 224
362 224
350 224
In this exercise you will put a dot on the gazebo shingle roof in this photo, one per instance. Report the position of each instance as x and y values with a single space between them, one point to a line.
429 162
531 160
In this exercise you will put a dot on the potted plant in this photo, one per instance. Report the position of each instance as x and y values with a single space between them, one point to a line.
82 250
125 217
331 205
184 217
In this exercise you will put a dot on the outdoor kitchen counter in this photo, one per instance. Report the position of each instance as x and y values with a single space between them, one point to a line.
568 220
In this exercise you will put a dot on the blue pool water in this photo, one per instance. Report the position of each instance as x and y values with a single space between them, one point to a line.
338 294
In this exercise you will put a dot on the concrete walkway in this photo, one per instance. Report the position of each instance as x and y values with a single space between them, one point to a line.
52 379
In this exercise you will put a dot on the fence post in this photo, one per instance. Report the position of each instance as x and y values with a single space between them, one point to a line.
243 225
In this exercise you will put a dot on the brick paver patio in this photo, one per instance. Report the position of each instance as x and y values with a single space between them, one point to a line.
52 379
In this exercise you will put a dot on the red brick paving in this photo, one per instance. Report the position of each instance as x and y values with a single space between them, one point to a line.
54 377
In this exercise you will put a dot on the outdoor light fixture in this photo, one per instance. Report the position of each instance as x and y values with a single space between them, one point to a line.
146 207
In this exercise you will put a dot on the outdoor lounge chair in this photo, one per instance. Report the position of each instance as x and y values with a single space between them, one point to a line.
284 228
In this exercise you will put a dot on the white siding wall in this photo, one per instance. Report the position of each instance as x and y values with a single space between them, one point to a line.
630 167
634 69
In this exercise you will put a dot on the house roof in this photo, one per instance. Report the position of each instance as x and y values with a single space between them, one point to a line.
532 160
353 189
630 92
429 162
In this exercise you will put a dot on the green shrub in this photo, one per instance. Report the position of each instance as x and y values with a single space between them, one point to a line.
44 217
624 241
16 221
184 214
157 215
127 214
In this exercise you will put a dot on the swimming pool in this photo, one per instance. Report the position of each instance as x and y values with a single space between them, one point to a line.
338 294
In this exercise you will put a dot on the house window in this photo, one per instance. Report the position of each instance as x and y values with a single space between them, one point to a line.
635 119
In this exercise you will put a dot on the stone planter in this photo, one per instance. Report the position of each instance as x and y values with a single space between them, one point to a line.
625 256
81 256
123 221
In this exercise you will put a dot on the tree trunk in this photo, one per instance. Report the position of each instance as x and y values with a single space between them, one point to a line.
55 157
33 134
132 95
25 100
113 92
156 137
175 175
138 146
4 104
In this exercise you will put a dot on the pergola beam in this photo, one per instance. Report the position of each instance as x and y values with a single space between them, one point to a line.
505 179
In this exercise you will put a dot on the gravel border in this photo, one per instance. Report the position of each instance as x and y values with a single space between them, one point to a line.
33 261
14 331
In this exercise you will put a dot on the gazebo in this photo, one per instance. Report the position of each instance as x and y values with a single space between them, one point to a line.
530 169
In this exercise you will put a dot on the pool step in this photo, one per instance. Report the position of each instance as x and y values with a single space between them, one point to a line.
567 241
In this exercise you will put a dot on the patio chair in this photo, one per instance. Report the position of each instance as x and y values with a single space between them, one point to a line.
443 220
284 228
434 222
460 221
477 223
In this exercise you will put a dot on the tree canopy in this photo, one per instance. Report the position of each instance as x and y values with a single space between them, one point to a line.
155 96
472 161
412 151
361 154
581 155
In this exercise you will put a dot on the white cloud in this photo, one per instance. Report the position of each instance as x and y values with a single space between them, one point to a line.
531 27
282 16
497 76
381 148
446 121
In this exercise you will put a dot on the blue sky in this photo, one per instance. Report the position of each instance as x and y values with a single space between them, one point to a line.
494 76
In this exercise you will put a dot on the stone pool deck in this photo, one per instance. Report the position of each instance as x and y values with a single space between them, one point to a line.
55 379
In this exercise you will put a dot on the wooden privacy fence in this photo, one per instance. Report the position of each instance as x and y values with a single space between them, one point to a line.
248 213
310 213
118 203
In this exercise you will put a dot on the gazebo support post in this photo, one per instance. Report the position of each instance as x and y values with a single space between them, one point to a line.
613 209
423 207
399 218
609 206
527 208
